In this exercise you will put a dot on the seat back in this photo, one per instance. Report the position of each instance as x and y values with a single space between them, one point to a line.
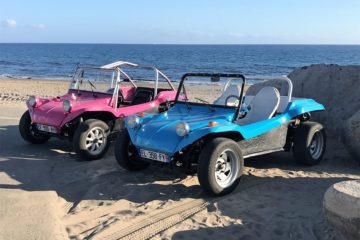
231 90
142 96
263 106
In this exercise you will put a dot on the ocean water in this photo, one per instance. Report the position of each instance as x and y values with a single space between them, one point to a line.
57 61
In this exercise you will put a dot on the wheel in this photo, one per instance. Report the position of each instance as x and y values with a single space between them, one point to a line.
27 132
309 143
125 153
91 139
220 166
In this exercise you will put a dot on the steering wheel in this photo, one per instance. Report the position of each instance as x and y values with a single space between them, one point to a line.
235 101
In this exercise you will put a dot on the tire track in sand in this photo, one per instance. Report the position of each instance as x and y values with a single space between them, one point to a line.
148 226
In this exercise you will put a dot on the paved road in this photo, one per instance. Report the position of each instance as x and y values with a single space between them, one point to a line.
28 206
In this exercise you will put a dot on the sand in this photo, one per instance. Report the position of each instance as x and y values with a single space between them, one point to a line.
17 90
46 193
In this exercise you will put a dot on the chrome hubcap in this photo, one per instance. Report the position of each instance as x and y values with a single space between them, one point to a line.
95 140
317 145
226 168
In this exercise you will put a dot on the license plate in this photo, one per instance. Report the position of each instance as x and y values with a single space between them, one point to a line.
154 155
46 128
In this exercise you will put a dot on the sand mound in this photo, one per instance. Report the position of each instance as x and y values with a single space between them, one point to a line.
351 135
334 86
342 207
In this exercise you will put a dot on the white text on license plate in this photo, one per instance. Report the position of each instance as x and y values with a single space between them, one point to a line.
154 155
46 128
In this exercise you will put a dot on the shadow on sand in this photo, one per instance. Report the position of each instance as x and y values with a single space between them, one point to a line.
52 166
262 207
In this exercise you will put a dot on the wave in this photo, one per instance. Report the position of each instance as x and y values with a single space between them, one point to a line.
25 77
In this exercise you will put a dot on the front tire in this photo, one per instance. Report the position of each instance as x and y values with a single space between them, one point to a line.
125 153
27 132
309 143
90 139
220 166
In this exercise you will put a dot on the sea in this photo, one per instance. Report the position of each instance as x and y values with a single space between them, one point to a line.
57 61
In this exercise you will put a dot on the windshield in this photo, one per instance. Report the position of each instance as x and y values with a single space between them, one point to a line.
144 76
104 80
210 90
96 80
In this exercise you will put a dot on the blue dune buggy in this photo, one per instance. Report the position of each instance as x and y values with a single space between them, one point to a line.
211 128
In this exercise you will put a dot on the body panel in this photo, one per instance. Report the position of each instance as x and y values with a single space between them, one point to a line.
157 132
50 111
270 140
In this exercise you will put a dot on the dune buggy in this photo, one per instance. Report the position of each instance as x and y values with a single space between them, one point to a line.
212 130
94 106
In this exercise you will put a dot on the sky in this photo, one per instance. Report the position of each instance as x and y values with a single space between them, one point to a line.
181 21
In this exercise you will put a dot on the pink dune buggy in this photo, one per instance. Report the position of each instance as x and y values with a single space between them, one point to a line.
92 111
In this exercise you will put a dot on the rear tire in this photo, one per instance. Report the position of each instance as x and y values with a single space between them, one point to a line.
27 133
220 166
90 139
309 143
125 153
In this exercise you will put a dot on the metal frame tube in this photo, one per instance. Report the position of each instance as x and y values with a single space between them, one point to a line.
218 75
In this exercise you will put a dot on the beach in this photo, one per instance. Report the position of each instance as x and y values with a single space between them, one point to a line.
46 193
17 91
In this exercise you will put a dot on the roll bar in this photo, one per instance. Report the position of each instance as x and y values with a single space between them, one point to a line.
116 66
281 78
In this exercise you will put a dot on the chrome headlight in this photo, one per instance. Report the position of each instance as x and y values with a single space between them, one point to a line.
182 129
32 101
66 105
133 121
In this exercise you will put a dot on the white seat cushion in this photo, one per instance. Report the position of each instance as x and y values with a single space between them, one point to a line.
232 89
263 106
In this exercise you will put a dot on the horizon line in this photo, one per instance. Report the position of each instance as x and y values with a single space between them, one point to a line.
209 44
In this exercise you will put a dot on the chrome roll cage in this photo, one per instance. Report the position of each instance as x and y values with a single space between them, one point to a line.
118 72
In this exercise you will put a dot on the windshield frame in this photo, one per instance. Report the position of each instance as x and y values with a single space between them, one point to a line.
214 75
79 70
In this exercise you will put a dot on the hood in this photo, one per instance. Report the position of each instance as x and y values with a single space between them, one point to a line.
51 112
158 132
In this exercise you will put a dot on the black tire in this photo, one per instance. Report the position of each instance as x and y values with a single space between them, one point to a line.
87 129
27 133
307 135
208 164
126 155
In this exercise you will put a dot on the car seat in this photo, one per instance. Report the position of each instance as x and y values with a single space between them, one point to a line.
142 96
263 106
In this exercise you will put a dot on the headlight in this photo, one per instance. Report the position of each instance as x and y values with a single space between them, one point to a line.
66 105
182 129
133 121
32 101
